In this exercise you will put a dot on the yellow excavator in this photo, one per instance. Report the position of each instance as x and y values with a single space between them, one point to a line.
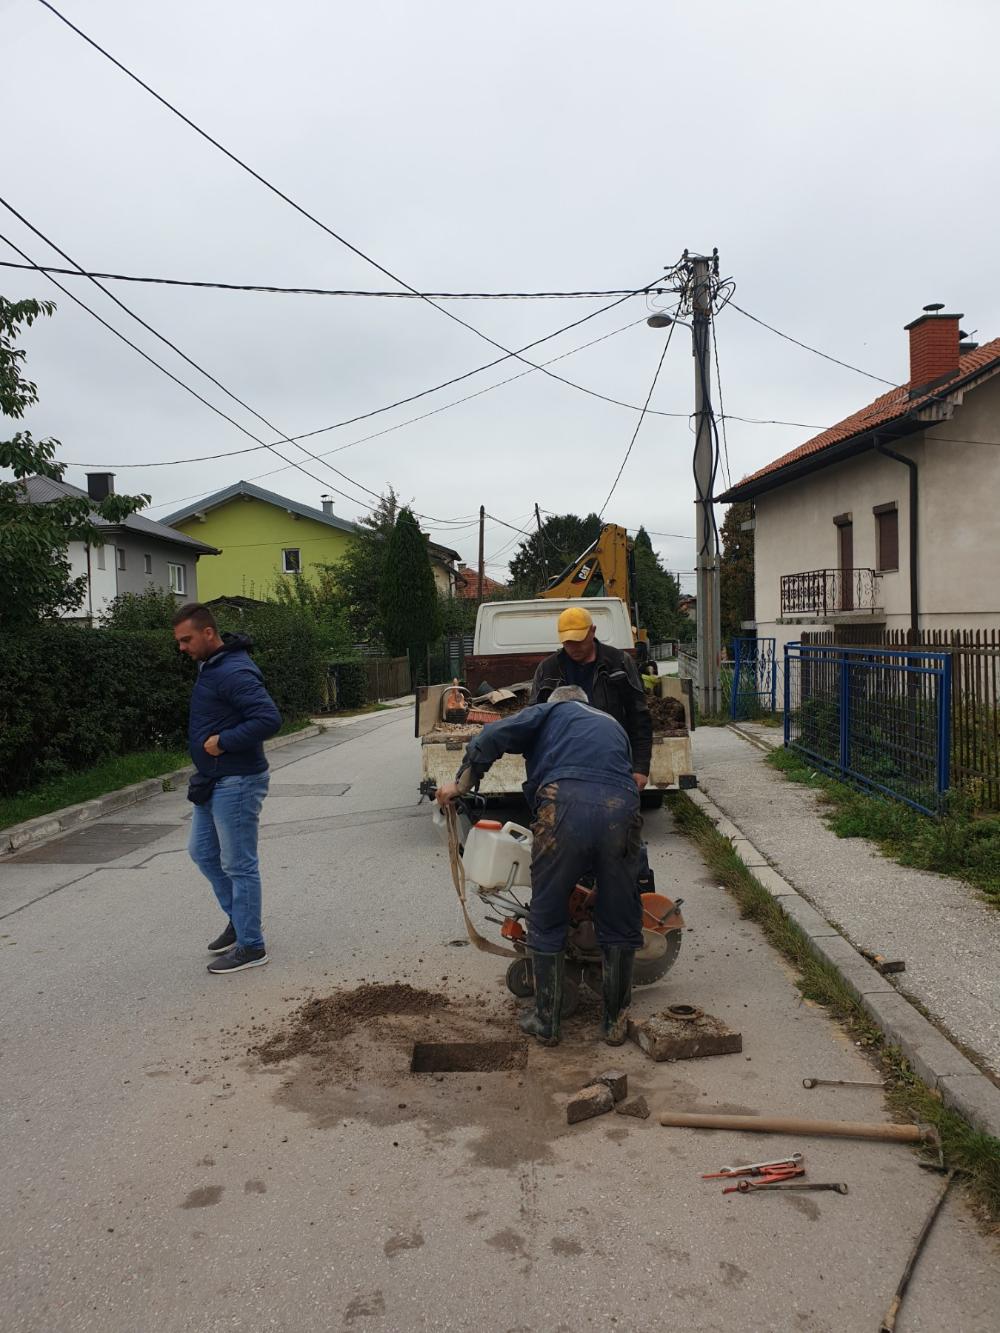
605 569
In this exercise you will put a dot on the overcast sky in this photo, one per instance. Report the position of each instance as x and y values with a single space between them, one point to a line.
843 157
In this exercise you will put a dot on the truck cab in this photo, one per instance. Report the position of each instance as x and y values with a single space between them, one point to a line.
513 637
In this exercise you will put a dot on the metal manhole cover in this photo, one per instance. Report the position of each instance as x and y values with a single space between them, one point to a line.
96 845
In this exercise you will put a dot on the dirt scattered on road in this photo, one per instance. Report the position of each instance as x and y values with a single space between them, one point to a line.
323 1021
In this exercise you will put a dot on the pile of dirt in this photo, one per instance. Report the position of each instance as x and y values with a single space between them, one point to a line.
668 715
327 1019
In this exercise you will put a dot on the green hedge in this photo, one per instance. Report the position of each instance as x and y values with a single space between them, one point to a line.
349 685
70 697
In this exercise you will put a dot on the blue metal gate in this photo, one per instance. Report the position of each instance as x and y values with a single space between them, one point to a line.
754 689
878 717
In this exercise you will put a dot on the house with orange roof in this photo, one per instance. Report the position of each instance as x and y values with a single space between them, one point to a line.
467 584
891 518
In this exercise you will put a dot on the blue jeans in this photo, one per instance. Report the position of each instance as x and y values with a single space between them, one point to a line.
224 848
585 828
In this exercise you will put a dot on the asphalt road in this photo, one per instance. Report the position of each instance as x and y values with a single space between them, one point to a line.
158 1177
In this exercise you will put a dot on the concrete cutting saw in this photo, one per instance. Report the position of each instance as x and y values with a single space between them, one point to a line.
494 860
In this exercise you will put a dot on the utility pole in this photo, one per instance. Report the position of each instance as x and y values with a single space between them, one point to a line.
482 534
541 543
708 682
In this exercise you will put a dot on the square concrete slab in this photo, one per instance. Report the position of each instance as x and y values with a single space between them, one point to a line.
97 845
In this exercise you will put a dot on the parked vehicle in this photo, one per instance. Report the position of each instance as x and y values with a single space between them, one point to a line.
511 639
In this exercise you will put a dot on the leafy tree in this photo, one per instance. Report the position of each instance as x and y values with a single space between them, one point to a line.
458 614
34 538
358 575
736 597
409 600
321 602
562 540
657 592
153 608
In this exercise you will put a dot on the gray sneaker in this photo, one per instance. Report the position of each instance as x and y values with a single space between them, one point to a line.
238 959
224 942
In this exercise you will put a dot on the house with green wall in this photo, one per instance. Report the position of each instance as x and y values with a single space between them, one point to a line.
260 535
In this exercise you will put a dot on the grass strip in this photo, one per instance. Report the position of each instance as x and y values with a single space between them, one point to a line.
110 774
968 1150
957 843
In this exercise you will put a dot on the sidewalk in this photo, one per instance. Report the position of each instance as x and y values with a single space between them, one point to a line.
949 939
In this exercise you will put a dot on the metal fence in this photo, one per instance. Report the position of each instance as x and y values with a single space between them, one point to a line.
975 697
754 689
446 659
829 591
879 717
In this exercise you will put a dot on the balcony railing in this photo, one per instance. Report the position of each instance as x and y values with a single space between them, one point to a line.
831 592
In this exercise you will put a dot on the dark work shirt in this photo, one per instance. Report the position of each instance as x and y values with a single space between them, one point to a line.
580 673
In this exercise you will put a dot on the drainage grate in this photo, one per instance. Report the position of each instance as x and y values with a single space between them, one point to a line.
99 844
467 1057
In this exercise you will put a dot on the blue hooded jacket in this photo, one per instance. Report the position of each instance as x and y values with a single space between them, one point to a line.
562 740
229 701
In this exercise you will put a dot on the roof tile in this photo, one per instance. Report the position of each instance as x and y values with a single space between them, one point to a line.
887 407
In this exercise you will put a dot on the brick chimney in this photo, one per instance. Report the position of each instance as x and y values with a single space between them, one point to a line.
934 339
100 485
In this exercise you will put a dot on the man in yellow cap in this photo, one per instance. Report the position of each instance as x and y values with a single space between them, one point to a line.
608 677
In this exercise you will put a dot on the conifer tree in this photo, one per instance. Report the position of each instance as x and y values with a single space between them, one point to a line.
411 615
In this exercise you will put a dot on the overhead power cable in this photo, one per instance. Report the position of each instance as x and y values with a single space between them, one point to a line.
195 366
318 222
722 412
230 453
176 379
278 290
788 338
638 424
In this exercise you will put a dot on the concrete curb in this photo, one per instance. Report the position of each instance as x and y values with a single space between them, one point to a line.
935 1059
31 831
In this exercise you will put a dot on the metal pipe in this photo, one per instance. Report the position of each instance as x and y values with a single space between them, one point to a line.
914 567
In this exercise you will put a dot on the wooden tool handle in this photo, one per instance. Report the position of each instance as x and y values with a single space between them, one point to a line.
769 1124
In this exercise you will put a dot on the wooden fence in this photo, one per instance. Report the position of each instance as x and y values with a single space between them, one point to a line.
388 677
975 697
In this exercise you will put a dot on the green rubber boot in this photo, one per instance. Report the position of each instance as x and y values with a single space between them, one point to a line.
543 1021
617 994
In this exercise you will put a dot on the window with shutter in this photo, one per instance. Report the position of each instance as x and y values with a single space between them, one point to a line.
887 537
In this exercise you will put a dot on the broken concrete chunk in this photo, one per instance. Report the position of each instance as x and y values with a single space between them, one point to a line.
635 1106
617 1081
588 1102
666 1038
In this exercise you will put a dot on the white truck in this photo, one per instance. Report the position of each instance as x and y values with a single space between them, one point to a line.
511 639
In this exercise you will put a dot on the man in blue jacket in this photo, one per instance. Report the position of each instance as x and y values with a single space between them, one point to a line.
581 785
231 716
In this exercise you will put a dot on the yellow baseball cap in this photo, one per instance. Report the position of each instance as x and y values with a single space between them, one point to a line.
575 623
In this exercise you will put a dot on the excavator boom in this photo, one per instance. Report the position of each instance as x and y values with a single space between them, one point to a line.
601 571
605 569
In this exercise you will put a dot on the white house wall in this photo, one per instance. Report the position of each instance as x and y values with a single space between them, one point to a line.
959 539
795 532
960 517
103 582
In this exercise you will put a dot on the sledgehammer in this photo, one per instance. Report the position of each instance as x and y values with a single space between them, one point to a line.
792 1125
